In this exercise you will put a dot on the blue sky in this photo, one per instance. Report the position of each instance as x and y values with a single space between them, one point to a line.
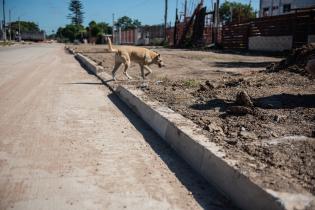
50 14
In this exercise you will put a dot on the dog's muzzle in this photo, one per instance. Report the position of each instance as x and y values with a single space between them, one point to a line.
161 64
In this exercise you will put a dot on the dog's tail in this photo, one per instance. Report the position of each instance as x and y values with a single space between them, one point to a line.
110 46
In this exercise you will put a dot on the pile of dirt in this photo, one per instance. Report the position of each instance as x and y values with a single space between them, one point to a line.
296 61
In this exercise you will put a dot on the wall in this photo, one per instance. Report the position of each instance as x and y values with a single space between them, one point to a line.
270 43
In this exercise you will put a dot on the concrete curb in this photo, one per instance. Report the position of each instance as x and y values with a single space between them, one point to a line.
89 64
70 50
202 155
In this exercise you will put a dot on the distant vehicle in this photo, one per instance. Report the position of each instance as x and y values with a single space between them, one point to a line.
33 36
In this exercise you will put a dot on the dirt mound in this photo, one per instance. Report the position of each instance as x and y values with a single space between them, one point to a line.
296 61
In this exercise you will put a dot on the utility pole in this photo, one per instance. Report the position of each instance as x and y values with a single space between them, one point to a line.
9 24
4 28
217 13
165 20
185 11
113 29
19 30
216 21
175 26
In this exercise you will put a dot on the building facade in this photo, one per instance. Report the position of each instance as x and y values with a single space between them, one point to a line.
281 7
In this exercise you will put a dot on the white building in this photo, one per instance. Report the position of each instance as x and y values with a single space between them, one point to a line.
280 7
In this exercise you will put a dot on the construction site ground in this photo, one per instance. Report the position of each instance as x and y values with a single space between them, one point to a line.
273 141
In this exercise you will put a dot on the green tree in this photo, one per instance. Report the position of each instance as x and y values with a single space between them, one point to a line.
59 32
126 22
71 32
25 26
237 12
97 29
106 28
76 12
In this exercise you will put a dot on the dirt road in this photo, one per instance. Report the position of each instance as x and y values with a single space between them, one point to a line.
67 143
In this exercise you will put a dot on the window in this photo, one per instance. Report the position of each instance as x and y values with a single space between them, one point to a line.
266 11
286 8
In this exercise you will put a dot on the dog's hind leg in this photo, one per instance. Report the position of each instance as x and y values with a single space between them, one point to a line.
142 71
116 67
127 64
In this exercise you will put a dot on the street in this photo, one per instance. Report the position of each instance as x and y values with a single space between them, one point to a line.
66 142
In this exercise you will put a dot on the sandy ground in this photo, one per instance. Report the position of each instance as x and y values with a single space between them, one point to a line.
183 64
273 142
67 143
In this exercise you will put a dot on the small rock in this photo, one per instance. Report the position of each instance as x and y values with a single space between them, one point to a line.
243 99
276 118
248 135
232 141
233 134
243 129
205 119
202 87
213 128
211 86
144 85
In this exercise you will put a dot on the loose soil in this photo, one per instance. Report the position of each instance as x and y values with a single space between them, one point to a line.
272 141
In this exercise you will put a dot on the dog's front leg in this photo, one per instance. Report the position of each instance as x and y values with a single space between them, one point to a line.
125 71
116 67
148 69
142 71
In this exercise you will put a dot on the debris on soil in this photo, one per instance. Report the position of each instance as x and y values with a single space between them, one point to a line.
209 84
214 128
239 110
296 61
267 106
243 99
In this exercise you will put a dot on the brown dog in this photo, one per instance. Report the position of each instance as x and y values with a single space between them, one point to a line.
144 57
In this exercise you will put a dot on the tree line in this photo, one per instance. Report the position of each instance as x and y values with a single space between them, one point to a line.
76 31
229 11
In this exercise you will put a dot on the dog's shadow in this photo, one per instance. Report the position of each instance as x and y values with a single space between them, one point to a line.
205 194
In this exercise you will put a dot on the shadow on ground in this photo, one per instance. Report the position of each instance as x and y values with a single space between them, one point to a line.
205 194
215 103
286 101
241 64
84 83
280 101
